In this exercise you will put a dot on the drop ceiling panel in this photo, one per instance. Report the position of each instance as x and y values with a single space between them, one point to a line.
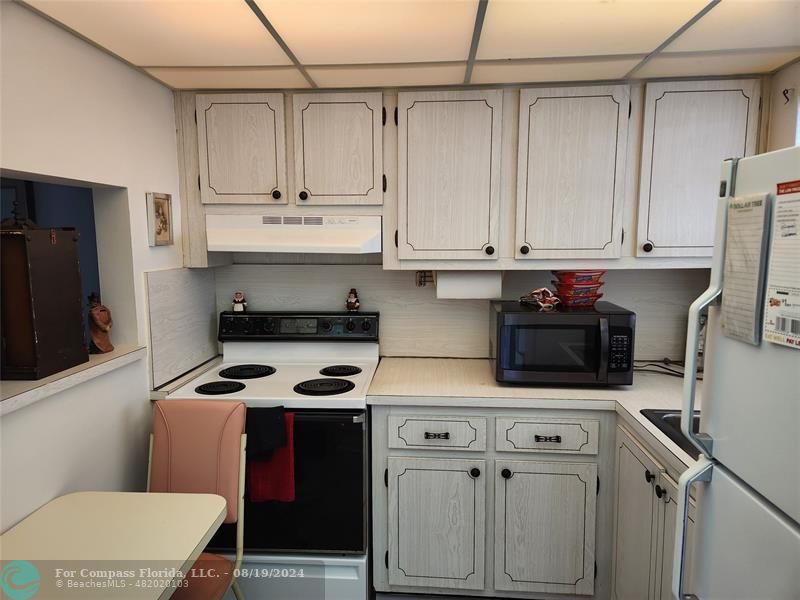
324 32
388 75
737 24
171 33
196 78
548 28
716 63
520 72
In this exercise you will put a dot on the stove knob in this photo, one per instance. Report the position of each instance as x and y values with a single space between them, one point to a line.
325 325
366 325
351 325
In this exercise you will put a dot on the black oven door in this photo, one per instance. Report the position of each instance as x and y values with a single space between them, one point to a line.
329 514
554 348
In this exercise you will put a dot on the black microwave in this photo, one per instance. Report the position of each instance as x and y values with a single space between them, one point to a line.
589 346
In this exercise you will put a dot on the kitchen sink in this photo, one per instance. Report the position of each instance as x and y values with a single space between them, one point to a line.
669 423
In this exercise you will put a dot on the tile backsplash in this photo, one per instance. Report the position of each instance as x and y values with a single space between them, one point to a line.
415 323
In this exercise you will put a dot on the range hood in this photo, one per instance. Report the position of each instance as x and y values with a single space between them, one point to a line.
294 233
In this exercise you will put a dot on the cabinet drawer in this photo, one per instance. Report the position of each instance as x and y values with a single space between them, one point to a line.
567 436
452 433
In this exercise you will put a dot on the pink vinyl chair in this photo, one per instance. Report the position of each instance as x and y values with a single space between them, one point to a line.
198 446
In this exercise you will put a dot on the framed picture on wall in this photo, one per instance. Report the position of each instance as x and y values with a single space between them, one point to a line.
159 219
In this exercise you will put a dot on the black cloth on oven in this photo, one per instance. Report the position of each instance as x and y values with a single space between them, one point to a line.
266 432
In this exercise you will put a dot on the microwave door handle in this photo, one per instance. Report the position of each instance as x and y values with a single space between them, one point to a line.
602 371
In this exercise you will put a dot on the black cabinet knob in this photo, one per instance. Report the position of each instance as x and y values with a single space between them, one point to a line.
475 472
648 476
506 473
647 247
303 195
524 250
276 194
660 491
489 250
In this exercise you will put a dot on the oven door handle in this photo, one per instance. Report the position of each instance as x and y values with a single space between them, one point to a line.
602 370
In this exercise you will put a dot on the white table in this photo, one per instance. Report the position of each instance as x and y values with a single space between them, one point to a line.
118 531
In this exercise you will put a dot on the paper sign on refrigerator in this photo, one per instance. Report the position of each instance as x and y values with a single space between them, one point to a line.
782 299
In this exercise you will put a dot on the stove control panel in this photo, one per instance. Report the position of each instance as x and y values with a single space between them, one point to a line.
243 326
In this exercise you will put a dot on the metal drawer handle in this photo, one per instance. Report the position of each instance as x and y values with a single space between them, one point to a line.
550 439
437 436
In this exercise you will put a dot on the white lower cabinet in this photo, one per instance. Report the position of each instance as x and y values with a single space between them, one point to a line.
437 522
646 510
460 510
545 526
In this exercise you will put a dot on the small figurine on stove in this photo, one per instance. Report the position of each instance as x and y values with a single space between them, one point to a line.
352 301
239 302
99 326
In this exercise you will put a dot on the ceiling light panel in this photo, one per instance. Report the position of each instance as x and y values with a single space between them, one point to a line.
388 75
550 28
171 32
198 78
540 71
323 32
716 63
736 24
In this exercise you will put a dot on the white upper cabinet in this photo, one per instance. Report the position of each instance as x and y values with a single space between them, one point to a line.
449 174
242 148
571 171
690 127
338 148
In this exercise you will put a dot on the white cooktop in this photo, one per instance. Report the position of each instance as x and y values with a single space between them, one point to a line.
293 362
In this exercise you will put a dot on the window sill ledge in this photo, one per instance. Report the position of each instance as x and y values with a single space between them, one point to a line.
18 394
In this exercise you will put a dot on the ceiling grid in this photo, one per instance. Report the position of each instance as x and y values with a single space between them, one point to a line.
395 43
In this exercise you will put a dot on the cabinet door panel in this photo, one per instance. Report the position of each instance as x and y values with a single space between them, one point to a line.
636 521
666 546
338 148
545 526
449 174
437 514
242 148
570 174
690 127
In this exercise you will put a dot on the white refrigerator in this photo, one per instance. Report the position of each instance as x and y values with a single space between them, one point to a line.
747 481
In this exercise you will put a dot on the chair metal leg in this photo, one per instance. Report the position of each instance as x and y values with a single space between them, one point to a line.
237 591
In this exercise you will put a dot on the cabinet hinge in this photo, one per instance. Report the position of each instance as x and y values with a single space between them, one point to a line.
630 108
395 115
384 183
386 559
396 245
195 117
595 569
598 485
383 115
198 183
386 477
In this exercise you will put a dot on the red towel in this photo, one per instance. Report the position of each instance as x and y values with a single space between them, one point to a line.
273 479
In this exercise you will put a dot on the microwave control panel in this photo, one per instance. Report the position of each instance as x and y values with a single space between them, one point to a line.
619 358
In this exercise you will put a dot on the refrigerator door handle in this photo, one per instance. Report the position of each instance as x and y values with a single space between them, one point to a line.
699 472
702 441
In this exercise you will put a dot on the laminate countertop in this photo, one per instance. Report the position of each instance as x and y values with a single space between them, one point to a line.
456 382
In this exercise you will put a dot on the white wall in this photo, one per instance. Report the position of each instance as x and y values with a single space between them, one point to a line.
784 126
68 110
